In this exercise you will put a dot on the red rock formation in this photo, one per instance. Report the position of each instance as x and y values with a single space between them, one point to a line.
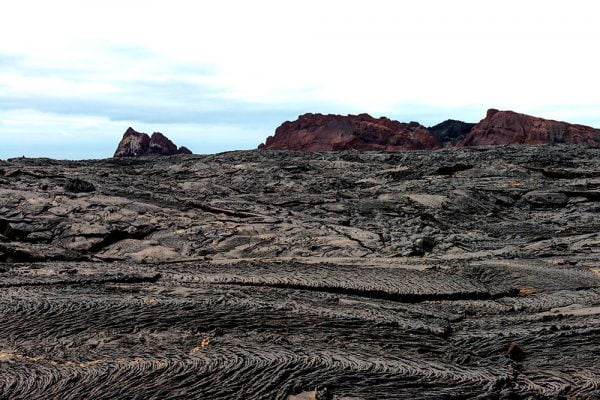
133 144
160 144
318 132
508 127
137 144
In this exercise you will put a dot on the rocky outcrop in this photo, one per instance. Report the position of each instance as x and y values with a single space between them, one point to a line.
133 144
450 132
508 127
318 132
137 144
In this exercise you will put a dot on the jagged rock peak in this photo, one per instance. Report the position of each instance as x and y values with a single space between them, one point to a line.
137 144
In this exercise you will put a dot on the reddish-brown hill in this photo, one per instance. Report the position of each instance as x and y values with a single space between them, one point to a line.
318 132
508 127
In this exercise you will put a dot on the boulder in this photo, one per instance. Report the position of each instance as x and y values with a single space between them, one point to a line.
79 186
515 352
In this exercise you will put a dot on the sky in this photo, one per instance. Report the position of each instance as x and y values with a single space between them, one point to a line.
222 75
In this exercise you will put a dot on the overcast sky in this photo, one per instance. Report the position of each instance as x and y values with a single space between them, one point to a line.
222 75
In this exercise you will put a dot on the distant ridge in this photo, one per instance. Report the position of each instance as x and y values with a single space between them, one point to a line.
508 127
318 132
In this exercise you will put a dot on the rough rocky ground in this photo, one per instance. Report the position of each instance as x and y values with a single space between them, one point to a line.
460 273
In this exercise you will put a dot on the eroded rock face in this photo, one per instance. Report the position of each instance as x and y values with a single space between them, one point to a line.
318 132
137 144
508 127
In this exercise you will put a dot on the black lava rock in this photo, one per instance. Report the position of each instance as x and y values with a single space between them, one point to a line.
79 186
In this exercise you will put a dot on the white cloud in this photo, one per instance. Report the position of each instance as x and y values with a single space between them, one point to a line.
379 56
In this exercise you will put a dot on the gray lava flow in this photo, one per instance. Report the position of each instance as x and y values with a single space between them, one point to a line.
451 274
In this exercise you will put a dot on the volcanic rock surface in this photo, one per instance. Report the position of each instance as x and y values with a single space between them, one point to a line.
318 132
137 144
508 127
460 273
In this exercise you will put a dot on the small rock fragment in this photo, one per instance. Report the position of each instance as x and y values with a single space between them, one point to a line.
515 352
79 186
423 245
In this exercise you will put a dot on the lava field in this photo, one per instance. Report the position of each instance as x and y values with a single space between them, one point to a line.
450 274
